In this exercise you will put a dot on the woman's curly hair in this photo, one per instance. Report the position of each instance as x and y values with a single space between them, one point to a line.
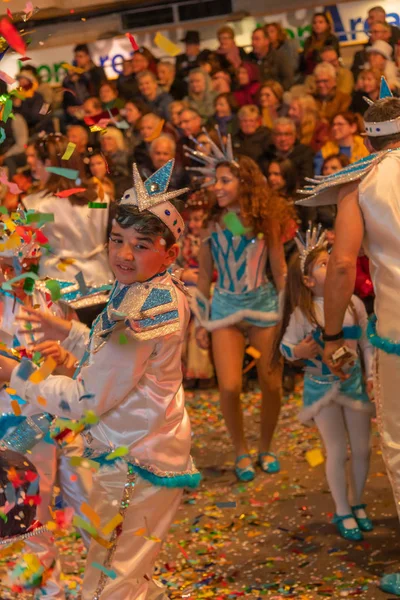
260 207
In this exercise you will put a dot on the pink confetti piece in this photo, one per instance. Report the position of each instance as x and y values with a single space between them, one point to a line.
13 187
28 8
7 78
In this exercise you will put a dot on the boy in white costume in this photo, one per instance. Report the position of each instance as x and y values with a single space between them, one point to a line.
131 377
52 465
369 214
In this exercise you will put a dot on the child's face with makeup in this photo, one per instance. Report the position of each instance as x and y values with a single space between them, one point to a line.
136 256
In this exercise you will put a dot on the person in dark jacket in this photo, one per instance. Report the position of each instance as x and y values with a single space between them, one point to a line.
368 85
30 106
253 139
82 81
285 145
321 36
271 63
157 100
192 57
225 117
168 82
127 84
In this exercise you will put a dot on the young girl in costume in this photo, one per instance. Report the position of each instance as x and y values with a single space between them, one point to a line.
130 375
341 410
197 361
244 233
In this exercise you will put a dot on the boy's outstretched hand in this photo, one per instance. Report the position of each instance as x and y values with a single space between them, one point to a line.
50 326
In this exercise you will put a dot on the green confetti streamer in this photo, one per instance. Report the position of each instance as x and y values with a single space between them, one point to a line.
54 288
234 224
123 338
81 523
7 110
39 217
3 210
121 451
98 204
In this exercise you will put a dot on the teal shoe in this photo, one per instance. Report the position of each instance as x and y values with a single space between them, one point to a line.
247 473
391 583
352 535
364 523
269 466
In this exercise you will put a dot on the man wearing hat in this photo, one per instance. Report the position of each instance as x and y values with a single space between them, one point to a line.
368 195
379 56
192 56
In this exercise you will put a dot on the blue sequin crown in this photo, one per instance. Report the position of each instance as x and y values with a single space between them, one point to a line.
152 195
210 160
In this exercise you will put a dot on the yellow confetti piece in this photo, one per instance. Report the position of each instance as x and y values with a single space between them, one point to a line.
69 150
166 45
157 132
111 525
45 370
140 532
102 541
90 514
42 401
315 457
13 242
85 463
153 538
16 408
9 223
69 67
253 352
11 391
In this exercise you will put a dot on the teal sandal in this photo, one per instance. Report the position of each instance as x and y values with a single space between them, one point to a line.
353 534
269 466
391 583
364 523
246 473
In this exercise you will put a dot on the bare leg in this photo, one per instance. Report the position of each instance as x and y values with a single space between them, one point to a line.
228 351
270 380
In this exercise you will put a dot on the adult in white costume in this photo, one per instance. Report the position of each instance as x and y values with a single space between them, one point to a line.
368 198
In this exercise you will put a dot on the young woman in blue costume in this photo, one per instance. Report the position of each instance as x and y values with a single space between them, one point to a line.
341 410
244 234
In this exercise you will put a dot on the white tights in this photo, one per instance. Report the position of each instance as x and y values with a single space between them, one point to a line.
337 424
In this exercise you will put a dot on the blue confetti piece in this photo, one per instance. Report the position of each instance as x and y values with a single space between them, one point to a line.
109 572
65 406
33 488
10 493
25 369
226 504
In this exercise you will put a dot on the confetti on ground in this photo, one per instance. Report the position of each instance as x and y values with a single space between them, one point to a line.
277 543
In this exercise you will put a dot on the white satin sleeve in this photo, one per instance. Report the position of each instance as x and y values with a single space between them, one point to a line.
296 331
365 346
110 377
77 339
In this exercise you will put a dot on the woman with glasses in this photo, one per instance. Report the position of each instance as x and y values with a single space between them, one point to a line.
345 139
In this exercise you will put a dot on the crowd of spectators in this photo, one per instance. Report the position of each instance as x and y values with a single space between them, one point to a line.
293 112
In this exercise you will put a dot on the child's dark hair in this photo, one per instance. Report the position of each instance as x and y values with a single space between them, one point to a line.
15 467
144 222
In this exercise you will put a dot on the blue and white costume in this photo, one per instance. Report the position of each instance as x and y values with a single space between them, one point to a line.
242 292
321 387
